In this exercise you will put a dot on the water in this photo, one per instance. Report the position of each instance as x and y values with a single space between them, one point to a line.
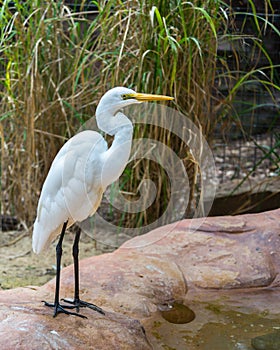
177 313
217 321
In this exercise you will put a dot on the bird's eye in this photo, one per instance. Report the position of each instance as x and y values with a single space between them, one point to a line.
126 96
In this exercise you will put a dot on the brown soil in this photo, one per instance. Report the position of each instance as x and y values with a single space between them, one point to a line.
19 266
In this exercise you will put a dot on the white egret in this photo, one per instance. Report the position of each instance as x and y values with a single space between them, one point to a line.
78 177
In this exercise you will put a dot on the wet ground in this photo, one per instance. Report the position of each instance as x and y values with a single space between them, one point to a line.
227 320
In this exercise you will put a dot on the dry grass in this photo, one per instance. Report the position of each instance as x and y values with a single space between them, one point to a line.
55 66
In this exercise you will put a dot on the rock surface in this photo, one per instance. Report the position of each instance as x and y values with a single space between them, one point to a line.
219 252
190 258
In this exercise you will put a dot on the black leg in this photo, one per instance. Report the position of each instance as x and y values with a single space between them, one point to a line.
58 308
77 302
75 252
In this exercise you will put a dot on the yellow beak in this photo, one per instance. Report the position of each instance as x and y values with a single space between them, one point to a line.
148 97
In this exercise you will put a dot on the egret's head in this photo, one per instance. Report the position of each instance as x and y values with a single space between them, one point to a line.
115 99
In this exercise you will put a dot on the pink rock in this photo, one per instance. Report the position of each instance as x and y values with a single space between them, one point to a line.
223 253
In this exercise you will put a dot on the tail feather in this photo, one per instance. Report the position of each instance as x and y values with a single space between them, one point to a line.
42 239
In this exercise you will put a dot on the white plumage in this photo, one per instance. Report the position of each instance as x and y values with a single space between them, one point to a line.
72 190
78 177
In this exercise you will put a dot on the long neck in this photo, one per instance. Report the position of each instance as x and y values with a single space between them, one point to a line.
116 157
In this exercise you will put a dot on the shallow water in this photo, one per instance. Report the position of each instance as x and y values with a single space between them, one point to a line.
223 321
177 313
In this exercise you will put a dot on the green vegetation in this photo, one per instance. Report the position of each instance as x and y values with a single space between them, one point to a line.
55 65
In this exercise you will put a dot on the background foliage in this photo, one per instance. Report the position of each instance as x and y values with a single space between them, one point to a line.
56 63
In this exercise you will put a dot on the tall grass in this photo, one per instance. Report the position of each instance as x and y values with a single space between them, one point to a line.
42 100
56 64
167 48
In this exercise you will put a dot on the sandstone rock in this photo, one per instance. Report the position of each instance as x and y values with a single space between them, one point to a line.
224 253
26 326
124 285
219 252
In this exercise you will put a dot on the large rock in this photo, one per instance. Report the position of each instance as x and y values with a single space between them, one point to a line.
221 253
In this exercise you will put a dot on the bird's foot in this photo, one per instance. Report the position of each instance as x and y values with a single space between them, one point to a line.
58 308
77 303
